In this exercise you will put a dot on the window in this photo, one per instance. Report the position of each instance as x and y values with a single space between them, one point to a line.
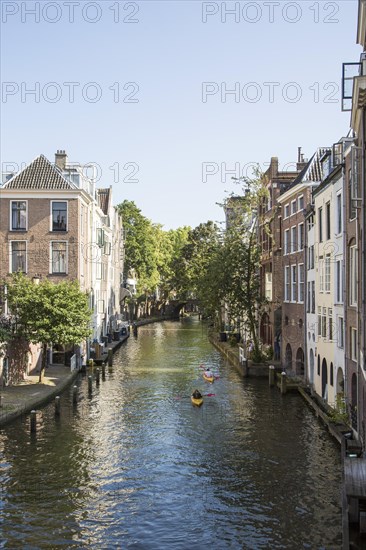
353 343
100 237
293 207
311 257
319 321
338 282
340 339
353 275
58 257
293 239
287 283
327 220
287 241
324 322
59 215
331 377
293 283
312 296
301 282
308 299
321 273
287 210
310 222
18 260
352 204
300 203
268 285
18 216
330 323
82 220
339 214
320 224
301 236
327 273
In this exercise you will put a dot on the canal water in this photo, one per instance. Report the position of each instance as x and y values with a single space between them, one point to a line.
135 465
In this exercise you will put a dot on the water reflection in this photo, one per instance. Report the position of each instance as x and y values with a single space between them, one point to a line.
137 466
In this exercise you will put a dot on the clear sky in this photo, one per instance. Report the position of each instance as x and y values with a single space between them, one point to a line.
141 89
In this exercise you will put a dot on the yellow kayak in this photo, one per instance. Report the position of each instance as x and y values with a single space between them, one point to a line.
208 378
198 402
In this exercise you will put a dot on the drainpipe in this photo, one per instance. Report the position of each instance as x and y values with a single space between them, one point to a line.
344 283
363 260
305 327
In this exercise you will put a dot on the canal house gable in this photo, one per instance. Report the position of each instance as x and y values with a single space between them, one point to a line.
54 224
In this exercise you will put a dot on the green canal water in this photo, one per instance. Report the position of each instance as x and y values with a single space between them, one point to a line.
135 465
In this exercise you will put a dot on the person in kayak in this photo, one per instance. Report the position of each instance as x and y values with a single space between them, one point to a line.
196 394
208 373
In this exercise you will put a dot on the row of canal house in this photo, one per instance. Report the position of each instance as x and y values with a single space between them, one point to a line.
312 273
313 261
55 224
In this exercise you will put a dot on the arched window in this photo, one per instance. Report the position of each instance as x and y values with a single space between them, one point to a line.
331 375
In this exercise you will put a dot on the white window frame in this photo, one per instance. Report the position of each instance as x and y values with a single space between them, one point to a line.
319 321
293 207
340 332
320 224
287 242
66 259
339 216
294 283
353 344
11 215
300 236
353 275
268 285
321 273
287 283
330 324
324 322
339 283
299 207
51 216
287 210
293 240
301 283
327 274
11 254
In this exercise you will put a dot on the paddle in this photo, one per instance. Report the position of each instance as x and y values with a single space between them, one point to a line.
203 395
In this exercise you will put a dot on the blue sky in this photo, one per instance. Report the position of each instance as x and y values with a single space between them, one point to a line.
138 88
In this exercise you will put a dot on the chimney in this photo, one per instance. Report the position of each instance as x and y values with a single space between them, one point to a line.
61 159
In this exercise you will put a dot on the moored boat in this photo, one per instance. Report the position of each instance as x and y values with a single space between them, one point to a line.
208 378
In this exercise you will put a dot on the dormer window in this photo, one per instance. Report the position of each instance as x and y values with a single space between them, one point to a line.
59 215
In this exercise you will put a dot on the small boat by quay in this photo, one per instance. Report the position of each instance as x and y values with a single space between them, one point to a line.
208 378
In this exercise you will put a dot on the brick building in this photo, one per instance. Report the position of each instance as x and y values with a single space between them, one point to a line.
54 224
270 240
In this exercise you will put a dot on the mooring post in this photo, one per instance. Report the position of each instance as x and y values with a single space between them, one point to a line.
90 384
103 371
110 357
283 383
97 377
57 405
245 368
271 375
33 421
74 395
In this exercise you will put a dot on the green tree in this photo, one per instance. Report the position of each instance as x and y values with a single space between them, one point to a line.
191 268
48 313
242 253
